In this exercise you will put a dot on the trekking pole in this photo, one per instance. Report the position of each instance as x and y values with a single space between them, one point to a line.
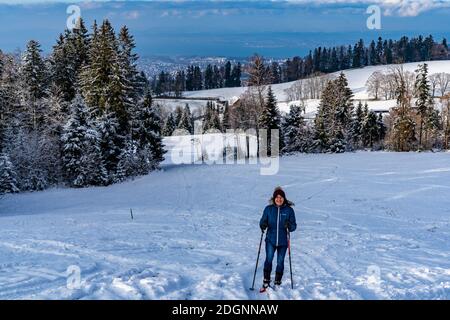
290 261
257 261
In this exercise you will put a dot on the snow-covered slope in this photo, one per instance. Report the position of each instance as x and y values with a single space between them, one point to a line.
370 225
357 79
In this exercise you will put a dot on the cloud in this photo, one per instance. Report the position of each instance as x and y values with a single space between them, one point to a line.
131 15
412 8
404 8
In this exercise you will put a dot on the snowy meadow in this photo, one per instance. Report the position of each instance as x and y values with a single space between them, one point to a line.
370 226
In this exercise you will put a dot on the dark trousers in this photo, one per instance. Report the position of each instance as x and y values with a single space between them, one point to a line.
270 253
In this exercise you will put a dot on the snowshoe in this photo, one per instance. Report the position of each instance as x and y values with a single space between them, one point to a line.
265 286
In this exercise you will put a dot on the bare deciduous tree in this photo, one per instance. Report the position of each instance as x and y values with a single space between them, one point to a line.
374 84
446 119
295 92
434 83
443 80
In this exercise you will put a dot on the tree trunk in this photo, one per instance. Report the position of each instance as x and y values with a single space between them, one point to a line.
447 129
420 132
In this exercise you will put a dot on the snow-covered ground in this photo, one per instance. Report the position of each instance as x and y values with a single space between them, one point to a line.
357 79
371 226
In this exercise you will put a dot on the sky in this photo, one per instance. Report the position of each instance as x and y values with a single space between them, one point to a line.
227 28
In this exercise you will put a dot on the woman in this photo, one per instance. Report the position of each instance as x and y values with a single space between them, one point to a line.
278 218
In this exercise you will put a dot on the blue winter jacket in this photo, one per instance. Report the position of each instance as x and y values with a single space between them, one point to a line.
275 217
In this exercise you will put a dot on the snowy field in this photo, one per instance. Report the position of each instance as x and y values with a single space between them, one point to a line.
371 226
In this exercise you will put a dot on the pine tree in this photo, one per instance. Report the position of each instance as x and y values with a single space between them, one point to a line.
215 120
343 111
94 75
190 78
388 52
209 77
80 42
34 77
127 61
344 101
226 119
372 54
227 77
128 165
180 80
324 120
178 115
211 120
357 126
296 135
382 130
2 64
370 129
424 102
379 52
433 124
186 120
364 127
63 72
50 136
162 84
169 126
120 98
197 79
334 119
207 117
149 133
111 141
270 118
93 169
108 78
236 75
5 107
34 71
69 55
8 180
73 138
357 56
82 160
217 78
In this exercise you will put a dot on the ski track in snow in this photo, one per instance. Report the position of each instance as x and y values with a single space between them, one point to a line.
195 232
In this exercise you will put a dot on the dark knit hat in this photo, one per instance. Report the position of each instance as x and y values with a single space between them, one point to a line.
279 192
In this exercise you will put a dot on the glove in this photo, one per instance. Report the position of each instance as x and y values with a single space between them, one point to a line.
287 225
263 226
